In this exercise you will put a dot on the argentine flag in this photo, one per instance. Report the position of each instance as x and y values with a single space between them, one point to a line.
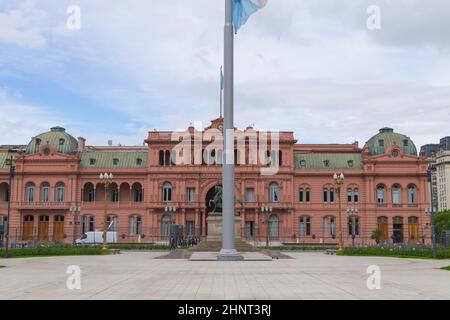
243 9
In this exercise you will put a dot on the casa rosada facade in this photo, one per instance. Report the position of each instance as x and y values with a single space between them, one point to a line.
57 194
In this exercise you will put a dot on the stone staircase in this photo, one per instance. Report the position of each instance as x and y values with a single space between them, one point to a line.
215 246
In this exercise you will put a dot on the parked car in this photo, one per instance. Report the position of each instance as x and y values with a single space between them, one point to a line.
96 237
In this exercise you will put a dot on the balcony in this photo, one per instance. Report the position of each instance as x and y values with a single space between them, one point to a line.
111 204
44 205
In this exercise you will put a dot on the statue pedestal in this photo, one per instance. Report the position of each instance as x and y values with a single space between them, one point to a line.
215 228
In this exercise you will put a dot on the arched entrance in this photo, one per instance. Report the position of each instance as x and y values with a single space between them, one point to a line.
58 228
211 205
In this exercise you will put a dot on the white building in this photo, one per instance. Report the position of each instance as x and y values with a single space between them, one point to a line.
443 179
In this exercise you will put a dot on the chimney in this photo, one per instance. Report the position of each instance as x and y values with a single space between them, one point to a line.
81 144
110 143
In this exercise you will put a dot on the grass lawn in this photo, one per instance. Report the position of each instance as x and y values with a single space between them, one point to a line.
398 252
49 251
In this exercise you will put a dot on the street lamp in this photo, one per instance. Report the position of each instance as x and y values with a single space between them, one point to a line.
74 210
352 213
430 212
267 211
169 210
338 182
9 162
106 180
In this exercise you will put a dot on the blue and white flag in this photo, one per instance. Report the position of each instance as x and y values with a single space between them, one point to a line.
243 9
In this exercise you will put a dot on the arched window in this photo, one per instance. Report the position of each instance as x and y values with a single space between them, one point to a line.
136 190
332 195
30 192
381 194
349 195
165 226
411 194
273 226
396 194
167 192
114 193
274 193
280 158
88 193
59 195
45 192
329 227
305 226
304 195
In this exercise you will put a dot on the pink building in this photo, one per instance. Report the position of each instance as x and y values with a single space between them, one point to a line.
57 194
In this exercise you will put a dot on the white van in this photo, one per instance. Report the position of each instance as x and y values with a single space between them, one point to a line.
96 237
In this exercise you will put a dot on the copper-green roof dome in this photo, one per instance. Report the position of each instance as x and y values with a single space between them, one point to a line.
56 137
381 142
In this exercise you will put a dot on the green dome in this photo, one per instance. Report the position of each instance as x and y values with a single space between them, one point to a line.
381 142
56 137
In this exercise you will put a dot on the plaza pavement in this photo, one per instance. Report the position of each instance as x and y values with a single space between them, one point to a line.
137 275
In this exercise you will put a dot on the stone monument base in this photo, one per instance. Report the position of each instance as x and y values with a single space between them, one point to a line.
215 228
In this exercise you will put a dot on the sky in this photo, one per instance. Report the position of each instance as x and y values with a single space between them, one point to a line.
308 66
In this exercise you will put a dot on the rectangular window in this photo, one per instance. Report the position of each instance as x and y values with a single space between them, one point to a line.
190 228
325 195
190 194
332 195
132 226
91 224
249 194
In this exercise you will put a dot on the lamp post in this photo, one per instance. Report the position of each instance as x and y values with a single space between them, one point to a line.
430 212
352 213
74 210
267 210
106 180
338 182
169 209
9 162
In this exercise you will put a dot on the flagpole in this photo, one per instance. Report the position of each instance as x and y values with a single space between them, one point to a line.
228 251
221 93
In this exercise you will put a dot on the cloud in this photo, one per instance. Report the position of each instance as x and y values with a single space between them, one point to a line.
308 66
23 26
21 121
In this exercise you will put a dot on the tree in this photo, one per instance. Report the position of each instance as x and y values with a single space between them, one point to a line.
377 235
442 222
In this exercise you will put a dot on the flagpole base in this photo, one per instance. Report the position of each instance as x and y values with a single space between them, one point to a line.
229 255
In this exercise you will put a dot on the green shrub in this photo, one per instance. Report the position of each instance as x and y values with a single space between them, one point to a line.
446 268
139 246
54 250
300 247
397 251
